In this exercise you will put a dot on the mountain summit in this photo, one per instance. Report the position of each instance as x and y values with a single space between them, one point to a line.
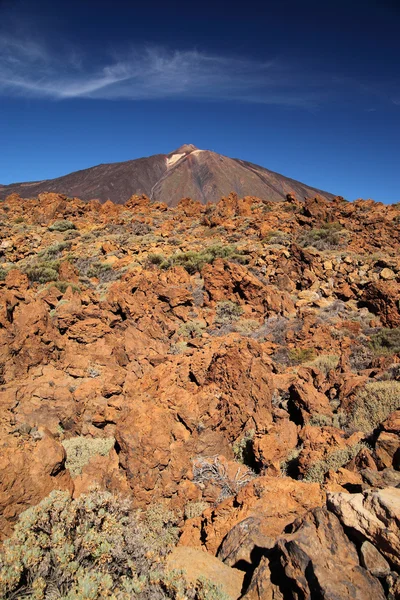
186 172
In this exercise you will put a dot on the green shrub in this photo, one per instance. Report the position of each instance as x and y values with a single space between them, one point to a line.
337 420
277 237
373 404
328 237
80 450
94 547
227 312
195 509
242 445
301 355
325 363
192 328
290 463
100 270
386 341
333 462
54 251
64 285
61 225
194 261
156 259
42 272
246 326
3 274
178 348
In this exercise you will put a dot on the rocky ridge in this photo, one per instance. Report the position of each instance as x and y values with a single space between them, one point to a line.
236 361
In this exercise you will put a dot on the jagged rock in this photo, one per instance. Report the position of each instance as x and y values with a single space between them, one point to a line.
317 559
380 479
374 515
373 560
196 563
27 474
383 298
272 501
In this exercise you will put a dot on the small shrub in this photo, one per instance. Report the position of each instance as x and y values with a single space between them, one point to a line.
276 328
192 329
386 341
156 259
195 509
91 267
325 363
373 404
62 225
227 312
54 251
64 285
289 465
194 261
328 237
80 450
98 270
298 356
361 357
3 274
178 348
392 373
335 460
242 446
42 272
337 420
212 470
138 228
72 234
277 237
246 327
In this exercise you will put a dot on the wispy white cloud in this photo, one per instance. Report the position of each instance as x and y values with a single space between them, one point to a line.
29 68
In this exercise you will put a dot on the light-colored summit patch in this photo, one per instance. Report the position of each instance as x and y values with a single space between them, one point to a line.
197 151
171 160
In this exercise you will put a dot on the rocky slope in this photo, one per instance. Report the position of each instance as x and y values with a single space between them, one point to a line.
238 362
187 171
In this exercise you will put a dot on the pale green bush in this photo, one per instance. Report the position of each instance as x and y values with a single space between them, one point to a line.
227 312
241 445
337 420
62 225
192 329
94 547
80 450
195 508
374 403
246 327
333 462
325 363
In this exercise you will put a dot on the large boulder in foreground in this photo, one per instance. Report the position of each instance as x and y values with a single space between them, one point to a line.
347 550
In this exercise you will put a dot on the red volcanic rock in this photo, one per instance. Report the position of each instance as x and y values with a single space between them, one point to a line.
27 475
227 416
271 501
382 297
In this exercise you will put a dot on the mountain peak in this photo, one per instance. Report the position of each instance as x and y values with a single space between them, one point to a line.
186 172
185 149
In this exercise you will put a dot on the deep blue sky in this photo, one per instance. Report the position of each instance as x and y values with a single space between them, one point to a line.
307 88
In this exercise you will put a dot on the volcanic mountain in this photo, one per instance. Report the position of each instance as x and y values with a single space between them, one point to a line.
186 172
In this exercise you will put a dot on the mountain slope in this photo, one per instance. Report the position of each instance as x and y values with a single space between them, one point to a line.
187 172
